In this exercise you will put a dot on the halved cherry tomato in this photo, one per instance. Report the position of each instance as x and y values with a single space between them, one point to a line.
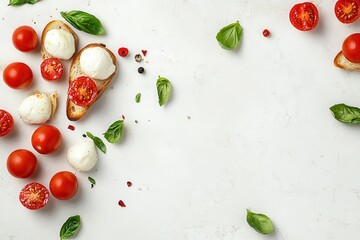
17 75
351 48
83 91
46 139
6 123
63 185
347 11
21 163
304 16
25 38
51 69
34 196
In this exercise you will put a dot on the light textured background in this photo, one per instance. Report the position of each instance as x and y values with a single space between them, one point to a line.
260 133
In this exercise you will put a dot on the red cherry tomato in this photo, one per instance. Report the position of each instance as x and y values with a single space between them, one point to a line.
351 48
25 38
83 91
51 69
63 185
123 52
18 75
6 123
21 163
304 16
46 139
34 196
347 11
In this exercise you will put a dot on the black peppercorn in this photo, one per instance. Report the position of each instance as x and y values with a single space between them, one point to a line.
141 70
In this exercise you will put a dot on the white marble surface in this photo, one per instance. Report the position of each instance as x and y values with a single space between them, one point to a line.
260 133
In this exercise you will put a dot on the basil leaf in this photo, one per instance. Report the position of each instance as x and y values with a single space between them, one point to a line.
229 37
138 97
84 21
163 86
346 114
260 222
21 2
97 141
92 181
70 228
114 132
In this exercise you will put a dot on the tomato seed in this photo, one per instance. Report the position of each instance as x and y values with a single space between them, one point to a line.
266 33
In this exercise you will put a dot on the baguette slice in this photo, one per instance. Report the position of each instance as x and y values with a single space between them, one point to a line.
73 111
341 62
55 24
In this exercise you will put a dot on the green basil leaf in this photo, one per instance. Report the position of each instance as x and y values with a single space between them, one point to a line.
163 86
97 141
346 114
90 135
21 2
229 37
92 181
260 222
138 97
84 21
70 228
114 132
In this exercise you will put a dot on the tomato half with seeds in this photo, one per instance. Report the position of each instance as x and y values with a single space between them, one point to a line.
6 123
83 91
347 11
304 16
51 69
34 196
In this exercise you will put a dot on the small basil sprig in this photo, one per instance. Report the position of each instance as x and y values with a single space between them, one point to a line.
138 97
346 114
70 228
114 132
98 142
229 37
92 181
84 21
21 2
260 222
163 86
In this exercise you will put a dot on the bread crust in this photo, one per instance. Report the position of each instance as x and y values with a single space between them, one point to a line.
55 24
73 111
340 61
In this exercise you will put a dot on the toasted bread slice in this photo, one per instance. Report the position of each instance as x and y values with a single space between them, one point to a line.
341 62
56 24
73 111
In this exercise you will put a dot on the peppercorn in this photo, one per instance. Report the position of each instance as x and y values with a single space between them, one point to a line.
138 58
141 70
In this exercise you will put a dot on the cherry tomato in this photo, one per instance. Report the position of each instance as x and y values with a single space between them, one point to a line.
25 39
18 75
347 11
6 123
123 52
304 16
63 185
46 139
83 91
21 163
351 48
51 69
34 196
